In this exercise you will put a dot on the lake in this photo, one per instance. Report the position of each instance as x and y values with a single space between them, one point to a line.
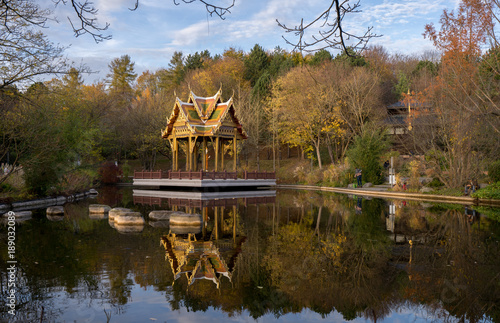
286 255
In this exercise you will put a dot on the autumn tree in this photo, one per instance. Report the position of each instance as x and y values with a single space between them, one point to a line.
304 107
380 62
463 114
58 135
141 124
359 94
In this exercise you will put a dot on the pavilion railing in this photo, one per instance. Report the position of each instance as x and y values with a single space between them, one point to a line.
200 175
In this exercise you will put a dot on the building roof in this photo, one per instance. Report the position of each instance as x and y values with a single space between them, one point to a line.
404 105
203 116
195 259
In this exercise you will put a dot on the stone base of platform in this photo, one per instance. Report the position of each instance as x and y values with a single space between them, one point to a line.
205 183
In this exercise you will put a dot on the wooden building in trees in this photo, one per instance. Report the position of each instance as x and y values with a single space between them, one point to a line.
408 120
202 124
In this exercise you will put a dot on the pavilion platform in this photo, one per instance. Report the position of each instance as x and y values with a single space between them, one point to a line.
204 179
203 199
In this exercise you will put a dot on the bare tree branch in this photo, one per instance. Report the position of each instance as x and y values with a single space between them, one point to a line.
86 20
331 33
211 8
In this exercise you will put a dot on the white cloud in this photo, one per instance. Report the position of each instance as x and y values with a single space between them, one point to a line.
404 45
389 12
244 27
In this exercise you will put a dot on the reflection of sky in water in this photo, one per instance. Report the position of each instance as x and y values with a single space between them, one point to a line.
148 305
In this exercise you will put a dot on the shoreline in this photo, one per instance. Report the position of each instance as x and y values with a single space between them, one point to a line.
45 202
383 193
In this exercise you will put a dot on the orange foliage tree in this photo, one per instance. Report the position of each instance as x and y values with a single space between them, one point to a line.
453 138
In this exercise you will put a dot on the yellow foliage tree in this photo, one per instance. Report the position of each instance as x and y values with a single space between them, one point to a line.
304 108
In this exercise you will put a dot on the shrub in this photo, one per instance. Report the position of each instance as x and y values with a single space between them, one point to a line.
490 192
300 172
366 154
494 171
39 180
414 174
314 177
77 181
109 172
435 183
336 173
6 187
127 171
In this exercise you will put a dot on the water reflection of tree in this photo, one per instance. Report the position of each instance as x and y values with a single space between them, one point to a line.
373 276
457 267
330 267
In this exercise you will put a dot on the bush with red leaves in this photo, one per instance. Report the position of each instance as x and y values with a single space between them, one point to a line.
109 173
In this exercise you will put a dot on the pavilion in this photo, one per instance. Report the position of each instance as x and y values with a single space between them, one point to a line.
200 123
200 127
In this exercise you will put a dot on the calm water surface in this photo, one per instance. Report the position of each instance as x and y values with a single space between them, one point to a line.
293 257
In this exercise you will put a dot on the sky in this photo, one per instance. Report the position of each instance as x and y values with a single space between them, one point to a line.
158 28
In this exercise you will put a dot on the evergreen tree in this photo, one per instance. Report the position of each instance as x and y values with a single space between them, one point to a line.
172 76
255 64
196 60
366 153
121 77
402 86
320 57
352 58
280 62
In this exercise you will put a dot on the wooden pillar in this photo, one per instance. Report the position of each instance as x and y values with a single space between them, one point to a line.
234 149
234 224
204 214
176 152
191 154
216 223
195 156
217 154
188 154
204 154
222 156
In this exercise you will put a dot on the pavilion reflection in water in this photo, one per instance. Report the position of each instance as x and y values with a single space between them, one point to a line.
212 256
200 259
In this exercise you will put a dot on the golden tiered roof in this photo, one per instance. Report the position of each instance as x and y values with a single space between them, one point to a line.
195 259
203 116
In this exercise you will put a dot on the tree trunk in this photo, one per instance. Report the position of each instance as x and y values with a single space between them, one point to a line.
330 151
258 157
318 155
